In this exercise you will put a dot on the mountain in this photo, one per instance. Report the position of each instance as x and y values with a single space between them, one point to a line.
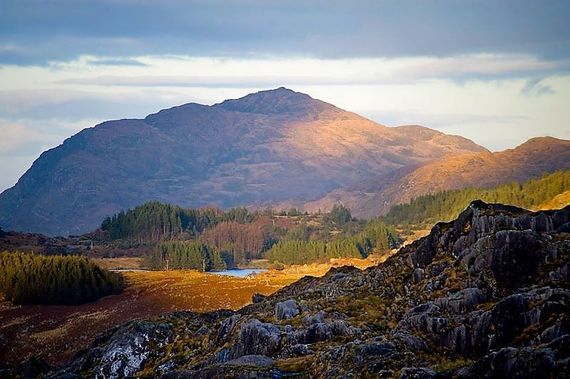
270 147
485 295
483 169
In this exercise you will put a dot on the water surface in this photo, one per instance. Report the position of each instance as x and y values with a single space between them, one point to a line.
240 273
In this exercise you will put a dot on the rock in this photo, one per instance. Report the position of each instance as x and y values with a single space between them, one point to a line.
323 331
252 360
314 318
410 341
417 373
203 331
376 348
32 368
518 363
286 309
493 302
258 298
463 301
418 275
123 352
257 338
225 329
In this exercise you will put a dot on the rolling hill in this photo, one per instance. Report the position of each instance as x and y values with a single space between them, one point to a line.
483 169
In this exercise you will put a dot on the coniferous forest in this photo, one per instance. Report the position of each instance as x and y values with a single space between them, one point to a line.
154 221
375 236
446 205
40 279
186 255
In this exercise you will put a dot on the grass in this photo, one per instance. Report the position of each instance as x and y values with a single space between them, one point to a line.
56 333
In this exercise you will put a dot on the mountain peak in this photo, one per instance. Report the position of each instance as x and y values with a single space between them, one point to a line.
276 101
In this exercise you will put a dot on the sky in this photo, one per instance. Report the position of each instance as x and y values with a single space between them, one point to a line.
497 72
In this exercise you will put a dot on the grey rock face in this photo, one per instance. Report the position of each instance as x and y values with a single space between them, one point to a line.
286 309
124 352
257 338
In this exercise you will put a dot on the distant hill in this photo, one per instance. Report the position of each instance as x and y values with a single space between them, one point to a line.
549 192
271 147
532 159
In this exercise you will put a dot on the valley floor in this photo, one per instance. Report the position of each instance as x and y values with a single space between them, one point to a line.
56 333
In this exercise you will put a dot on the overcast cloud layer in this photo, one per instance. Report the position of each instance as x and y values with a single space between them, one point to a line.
495 72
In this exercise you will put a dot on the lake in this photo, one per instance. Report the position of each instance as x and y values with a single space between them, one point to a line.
240 273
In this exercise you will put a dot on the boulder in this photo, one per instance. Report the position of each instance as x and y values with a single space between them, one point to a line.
257 338
286 309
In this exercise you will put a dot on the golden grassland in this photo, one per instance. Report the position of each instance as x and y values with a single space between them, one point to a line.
56 332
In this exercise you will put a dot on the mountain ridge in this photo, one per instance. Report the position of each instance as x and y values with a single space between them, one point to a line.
227 154
485 169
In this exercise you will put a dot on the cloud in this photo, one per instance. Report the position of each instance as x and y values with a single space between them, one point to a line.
248 73
116 62
61 30
533 87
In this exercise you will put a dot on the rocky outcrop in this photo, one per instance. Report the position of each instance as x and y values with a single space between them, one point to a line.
286 309
483 296
124 351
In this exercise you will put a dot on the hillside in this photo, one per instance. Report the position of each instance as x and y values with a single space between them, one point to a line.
547 192
271 147
559 201
532 159
482 296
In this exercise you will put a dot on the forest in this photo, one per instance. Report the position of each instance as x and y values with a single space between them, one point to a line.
39 279
184 255
376 236
209 238
446 205
153 221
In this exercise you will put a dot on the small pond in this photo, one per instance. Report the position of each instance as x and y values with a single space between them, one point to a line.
240 273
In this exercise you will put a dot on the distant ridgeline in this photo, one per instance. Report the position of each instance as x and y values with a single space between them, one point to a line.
210 239
40 279
446 205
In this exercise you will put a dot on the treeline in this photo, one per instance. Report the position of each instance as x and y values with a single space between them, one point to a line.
447 205
186 255
243 242
202 238
376 236
38 279
154 221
